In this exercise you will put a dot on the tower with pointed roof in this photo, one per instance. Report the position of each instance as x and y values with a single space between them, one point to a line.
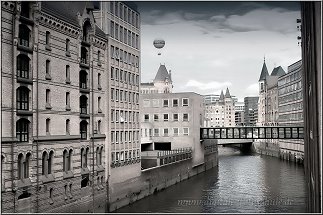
163 80
263 76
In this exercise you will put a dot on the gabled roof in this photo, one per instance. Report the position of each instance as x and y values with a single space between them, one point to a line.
162 74
278 71
264 72
227 93
66 10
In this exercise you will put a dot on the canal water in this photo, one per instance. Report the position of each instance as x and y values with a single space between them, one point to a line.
243 183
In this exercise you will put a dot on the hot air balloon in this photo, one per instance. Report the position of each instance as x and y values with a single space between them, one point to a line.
159 44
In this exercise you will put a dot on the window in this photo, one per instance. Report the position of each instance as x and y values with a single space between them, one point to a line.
24 9
83 104
155 117
22 98
20 166
175 116
47 161
99 156
48 98
67 160
84 156
175 130
23 66
175 102
51 195
47 126
67 46
67 102
47 38
99 105
185 102
166 117
165 132
22 130
67 74
24 35
99 81
26 166
99 60
185 117
165 103
146 118
156 132
185 131
67 126
83 129
84 55
99 127
47 76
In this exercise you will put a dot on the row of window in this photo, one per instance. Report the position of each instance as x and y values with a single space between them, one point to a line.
124 116
147 132
148 91
290 97
22 128
166 117
124 56
291 107
290 88
291 117
122 11
124 76
125 155
124 136
166 103
47 161
289 78
124 96
123 35
23 71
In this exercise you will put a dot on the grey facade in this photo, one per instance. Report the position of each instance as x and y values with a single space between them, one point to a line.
250 110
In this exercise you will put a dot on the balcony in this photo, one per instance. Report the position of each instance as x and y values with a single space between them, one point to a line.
83 113
24 80
24 113
86 41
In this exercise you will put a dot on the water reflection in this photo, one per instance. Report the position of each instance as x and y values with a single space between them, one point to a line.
244 183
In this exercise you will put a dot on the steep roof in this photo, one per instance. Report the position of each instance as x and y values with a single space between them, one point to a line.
162 74
66 10
278 71
99 32
227 93
221 96
264 72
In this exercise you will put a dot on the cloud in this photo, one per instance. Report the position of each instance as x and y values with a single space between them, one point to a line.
252 90
213 85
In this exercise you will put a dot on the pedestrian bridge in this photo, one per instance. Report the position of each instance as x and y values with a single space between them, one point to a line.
252 133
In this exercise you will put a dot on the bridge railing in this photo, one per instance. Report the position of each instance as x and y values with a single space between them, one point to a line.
252 133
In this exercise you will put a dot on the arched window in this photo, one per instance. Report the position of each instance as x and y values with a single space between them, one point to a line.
65 161
47 126
24 34
84 155
22 98
67 48
83 79
44 163
67 126
23 66
22 130
83 104
26 166
86 29
20 166
99 127
47 38
24 9
98 156
50 162
83 129
70 159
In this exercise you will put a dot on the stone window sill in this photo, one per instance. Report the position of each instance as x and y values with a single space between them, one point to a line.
47 47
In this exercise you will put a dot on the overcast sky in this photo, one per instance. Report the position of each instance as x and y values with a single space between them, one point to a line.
214 45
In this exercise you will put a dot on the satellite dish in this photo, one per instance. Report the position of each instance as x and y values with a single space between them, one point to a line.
159 44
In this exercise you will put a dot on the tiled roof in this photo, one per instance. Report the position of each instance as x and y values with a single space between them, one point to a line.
162 74
227 93
264 72
278 71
